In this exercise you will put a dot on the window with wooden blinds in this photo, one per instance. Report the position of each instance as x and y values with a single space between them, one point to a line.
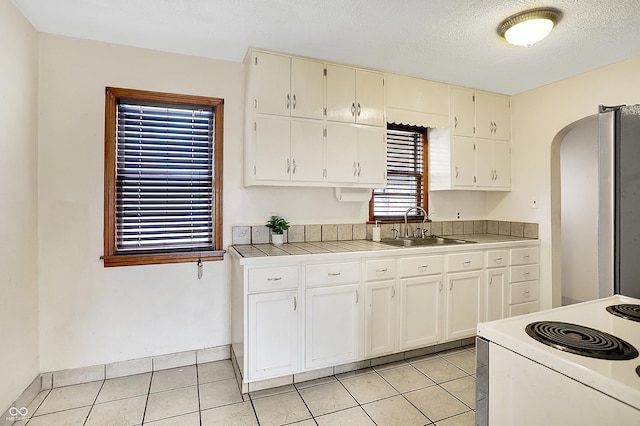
406 175
162 177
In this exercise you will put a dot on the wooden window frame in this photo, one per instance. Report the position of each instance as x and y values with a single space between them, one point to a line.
110 257
425 174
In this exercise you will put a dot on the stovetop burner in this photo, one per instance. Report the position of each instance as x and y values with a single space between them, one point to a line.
626 311
580 340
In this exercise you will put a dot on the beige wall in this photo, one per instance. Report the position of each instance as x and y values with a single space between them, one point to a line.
540 119
18 203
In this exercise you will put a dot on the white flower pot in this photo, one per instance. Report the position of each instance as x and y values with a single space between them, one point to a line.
277 239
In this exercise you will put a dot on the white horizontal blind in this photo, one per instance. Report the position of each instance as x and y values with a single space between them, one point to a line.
405 175
164 178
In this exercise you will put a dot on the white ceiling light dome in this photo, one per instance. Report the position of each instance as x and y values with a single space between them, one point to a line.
529 27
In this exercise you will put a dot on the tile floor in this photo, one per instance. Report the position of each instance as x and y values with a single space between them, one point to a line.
436 390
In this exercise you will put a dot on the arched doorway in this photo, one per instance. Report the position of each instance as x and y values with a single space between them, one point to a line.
574 219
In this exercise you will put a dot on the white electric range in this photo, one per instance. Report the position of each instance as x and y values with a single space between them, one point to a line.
551 367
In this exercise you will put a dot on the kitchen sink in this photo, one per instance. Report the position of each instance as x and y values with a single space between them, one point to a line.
424 242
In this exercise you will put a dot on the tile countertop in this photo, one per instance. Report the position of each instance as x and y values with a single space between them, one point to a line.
332 247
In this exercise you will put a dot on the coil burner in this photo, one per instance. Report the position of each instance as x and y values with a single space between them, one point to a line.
626 311
580 340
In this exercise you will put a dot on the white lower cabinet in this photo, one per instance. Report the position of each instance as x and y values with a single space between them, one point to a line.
272 334
332 326
380 320
496 279
420 311
464 304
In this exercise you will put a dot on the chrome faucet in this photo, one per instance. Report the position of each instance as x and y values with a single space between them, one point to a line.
406 225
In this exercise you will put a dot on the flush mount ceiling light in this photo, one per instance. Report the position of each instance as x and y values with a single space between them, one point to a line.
529 27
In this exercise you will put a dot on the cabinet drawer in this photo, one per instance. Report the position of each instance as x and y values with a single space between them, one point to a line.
523 273
524 256
497 258
332 273
267 279
523 292
523 308
421 265
465 261
380 269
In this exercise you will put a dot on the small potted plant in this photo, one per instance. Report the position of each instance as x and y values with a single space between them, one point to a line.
277 225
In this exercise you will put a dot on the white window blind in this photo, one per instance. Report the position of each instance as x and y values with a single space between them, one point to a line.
164 178
405 174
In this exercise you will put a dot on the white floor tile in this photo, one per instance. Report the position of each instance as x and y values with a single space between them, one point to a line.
406 378
121 412
222 392
171 403
395 411
281 409
69 397
439 370
355 416
327 398
368 387
174 378
74 417
124 387
214 371
240 414
436 403
191 419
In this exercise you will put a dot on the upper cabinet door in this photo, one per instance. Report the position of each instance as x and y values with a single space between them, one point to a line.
341 93
501 118
502 164
464 162
462 112
307 88
272 84
342 153
372 156
272 137
307 151
369 98
484 115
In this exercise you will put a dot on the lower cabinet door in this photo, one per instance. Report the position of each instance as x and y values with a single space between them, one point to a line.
496 293
464 301
420 311
380 320
273 334
332 326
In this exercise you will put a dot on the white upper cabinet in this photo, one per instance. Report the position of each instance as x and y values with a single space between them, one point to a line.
416 101
462 112
288 86
355 95
492 116
493 163
356 155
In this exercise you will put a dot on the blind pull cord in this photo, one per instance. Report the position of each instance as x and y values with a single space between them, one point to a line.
199 269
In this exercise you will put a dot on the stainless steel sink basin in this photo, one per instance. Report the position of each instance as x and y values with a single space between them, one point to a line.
422 242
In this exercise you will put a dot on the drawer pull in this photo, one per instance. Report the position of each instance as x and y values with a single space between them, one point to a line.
274 279
526 257
466 264
381 270
423 266
333 274
498 260
526 292
526 273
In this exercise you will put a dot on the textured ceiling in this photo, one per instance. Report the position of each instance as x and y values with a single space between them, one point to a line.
452 41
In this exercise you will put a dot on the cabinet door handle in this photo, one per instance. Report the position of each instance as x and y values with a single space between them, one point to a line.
359 109
288 101
353 109
295 303
294 101
355 168
450 284
333 274
440 285
294 167
394 292
490 280
455 122
274 279
456 172
358 168
288 166
357 296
